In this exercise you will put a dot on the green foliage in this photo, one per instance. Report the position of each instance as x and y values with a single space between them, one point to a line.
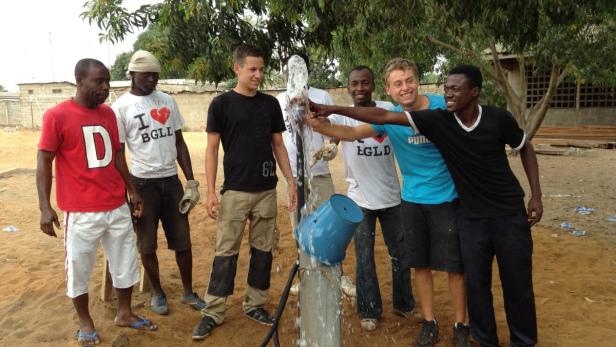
323 70
431 77
198 36
115 20
2 89
230 84
491 94
369 39
120 66
155 40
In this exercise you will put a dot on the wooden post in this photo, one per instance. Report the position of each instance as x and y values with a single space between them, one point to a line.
144 283
106 283
8 119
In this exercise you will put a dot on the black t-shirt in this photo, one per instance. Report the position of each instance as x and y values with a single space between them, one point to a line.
476 158
246 125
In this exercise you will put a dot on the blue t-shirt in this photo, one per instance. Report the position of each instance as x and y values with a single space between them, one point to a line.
425 177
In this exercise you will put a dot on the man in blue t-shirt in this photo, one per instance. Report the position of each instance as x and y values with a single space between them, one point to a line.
429 200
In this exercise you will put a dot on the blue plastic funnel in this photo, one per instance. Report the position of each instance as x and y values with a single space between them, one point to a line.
325 234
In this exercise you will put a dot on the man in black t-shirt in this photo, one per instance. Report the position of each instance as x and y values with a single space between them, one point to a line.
492 218
249 125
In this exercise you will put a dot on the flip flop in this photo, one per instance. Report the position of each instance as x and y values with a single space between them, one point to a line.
87 339
143 324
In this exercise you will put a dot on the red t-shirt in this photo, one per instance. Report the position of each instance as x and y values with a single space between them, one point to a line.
85 142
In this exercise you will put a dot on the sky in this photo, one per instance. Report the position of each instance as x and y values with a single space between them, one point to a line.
41 40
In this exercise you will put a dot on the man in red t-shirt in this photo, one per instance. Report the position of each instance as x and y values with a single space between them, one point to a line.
81 134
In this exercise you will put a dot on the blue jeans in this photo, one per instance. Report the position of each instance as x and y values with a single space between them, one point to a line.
369 303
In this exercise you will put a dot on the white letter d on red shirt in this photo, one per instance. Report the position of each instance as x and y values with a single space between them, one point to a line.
89 133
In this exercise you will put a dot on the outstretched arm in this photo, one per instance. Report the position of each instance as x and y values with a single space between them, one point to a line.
374 115
49 218
529 161
342 132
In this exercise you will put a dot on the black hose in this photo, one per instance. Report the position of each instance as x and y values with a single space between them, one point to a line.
283 301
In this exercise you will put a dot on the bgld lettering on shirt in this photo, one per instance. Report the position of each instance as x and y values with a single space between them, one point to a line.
154 133
374 151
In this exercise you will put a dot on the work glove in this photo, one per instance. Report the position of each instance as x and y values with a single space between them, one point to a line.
191 196
326 153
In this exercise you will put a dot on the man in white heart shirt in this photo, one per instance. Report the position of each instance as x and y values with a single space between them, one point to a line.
150 124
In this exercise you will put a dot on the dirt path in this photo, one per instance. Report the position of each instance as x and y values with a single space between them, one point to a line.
574 277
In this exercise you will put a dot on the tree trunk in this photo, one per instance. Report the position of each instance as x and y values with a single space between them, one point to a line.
538 112
516 103
528 119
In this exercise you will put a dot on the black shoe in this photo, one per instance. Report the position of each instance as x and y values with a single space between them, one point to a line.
261 316
203 329
461 333
428 335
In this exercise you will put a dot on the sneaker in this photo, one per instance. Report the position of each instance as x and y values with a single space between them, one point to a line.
193 300
204 328
461 333
261 316
368 324
428 335
159 305
294 289
347 286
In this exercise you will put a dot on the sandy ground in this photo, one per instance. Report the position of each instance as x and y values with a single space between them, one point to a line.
574 277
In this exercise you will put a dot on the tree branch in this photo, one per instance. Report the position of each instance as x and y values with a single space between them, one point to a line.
497 66
513 99
446 45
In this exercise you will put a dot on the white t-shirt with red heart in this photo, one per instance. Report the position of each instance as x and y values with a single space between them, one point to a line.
147 125
370 167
